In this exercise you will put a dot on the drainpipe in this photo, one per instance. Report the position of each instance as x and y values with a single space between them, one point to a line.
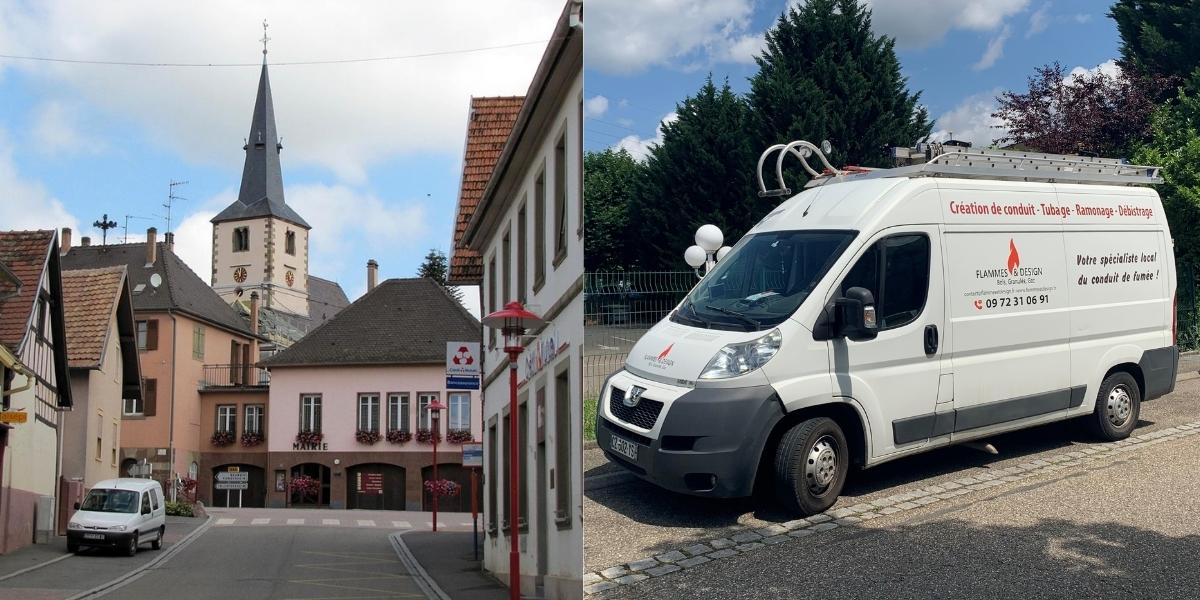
171 429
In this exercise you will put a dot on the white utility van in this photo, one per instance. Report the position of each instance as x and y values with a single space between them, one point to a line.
887 312
119 513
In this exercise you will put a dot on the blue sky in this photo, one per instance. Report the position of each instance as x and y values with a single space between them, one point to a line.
372 151
645 56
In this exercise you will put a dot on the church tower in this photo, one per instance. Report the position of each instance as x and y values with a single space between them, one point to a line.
259 242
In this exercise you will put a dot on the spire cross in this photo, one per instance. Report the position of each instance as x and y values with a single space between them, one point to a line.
265 39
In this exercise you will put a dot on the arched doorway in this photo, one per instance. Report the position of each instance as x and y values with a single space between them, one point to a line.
226 492
316 471
375 486
456 473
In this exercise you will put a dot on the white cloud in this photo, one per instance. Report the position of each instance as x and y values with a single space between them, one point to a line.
595 107
25 203
1108 67
638 146
629 36
343 117
55 130
925 22
971 120
994 50
1039 20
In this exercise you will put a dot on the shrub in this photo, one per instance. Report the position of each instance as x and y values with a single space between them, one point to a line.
179 509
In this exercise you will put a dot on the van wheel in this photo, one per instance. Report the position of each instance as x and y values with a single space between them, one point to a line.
1117 407
133 545
156 544
811 462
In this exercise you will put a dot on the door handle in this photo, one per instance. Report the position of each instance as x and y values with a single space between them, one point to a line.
931 340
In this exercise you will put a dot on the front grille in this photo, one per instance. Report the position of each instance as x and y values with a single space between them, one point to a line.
644 415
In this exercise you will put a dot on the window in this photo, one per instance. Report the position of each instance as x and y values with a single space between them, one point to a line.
562 447
522 254
43 318
241 239
146 503
145 405
310 412
289 242
506 271
398 409
99 447
198 342
423 402
254 419
507 452
539 230
896 271
368 412
492 299
460 411
115 438
523 476
227 418
147 335
560 199
492 477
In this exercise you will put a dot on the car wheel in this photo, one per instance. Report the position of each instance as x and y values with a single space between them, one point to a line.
133 545
1118 404
73 547
157 543
811 463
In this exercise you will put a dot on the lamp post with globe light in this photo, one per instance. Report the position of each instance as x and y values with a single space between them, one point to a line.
435 416
708 249
513 321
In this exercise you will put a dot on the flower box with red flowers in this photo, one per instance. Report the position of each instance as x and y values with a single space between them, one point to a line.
367 436
222 438
459 436
425 436
309 438
442 487
397 436
252 438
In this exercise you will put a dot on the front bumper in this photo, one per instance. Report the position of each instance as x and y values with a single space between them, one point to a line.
709 440
111 539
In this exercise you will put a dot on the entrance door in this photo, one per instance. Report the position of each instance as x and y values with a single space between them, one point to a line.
455 473
318 472
253 496
375 486
895 377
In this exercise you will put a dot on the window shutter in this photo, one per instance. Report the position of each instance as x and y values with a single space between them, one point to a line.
150 396
152 334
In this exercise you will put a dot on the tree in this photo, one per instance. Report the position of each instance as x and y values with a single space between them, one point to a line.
825 76
1091 113
702 172
1175 146
435 268
1158 39
609 178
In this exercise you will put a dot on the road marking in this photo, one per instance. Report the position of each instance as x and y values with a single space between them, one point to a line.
226 521
468 524
330 522
366 523
401 524
259 521
295 521
430 524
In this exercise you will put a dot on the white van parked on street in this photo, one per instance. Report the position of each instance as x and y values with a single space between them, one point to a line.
887 312
119 513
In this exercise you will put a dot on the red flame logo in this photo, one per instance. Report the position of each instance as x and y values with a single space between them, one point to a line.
666 352
1014 259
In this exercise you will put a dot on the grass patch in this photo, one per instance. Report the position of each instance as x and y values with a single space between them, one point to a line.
589 419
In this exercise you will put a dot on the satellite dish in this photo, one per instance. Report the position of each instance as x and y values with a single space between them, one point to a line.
155 280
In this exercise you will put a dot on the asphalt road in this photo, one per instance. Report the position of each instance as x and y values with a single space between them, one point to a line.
634 520
278 562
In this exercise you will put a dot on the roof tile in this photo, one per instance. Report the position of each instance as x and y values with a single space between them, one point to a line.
24 254
90 299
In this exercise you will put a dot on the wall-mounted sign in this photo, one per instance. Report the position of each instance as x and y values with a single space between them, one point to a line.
542 352
462 365
15 416
472 456
370 483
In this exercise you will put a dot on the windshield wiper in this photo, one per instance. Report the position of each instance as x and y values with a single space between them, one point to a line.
734 313
696 316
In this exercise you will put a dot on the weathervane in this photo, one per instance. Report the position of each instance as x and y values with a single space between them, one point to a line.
104 224
265 39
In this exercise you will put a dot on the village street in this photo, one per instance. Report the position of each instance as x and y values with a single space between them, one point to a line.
1053 505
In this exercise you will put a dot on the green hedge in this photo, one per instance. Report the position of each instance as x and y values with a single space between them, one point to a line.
180 509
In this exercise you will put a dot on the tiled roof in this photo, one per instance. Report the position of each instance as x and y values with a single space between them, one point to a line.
89 302
325 299
491 122
401 321
24 255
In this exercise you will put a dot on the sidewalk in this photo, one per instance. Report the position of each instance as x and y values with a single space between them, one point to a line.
446 557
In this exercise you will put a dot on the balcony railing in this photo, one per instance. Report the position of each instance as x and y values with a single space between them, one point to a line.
234 376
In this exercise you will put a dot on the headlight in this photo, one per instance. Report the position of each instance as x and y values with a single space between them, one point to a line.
739 359
117 528
74 525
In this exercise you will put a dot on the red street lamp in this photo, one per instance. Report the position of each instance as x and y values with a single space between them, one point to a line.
435 416
513 320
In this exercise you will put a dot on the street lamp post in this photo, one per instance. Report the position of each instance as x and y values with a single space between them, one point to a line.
513 321
707 251
435 417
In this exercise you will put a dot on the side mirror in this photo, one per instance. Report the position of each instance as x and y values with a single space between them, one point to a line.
856 318
76 506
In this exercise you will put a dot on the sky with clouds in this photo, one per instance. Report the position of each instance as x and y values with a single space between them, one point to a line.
372 150
644 56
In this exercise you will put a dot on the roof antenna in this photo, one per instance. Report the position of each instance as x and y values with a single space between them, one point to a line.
171 198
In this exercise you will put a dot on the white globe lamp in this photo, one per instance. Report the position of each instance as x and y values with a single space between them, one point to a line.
722 252
709 238
695 256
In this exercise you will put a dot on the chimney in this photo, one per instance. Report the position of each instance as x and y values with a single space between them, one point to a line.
169 241
253 312
151 246
372 274
85 241
64 243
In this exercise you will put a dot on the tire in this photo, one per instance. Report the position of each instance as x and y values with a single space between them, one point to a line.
73 547
811 463
1118 404
156 543
133 545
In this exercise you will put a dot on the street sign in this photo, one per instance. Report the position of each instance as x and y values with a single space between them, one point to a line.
462 365
472 455
16 416
233 477
231 485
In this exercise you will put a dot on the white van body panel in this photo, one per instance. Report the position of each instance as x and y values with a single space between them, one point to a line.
114 528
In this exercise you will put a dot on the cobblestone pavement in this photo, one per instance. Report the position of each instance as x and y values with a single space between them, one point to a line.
662 533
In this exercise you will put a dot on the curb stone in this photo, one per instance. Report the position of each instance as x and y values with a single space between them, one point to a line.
749 540
113 584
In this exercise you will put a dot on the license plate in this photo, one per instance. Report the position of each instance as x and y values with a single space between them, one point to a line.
93 536
623 447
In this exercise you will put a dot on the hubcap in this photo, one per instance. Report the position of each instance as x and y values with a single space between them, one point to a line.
821 465
1120 406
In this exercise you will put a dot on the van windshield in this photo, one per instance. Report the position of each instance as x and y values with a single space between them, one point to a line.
113 501
763 280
